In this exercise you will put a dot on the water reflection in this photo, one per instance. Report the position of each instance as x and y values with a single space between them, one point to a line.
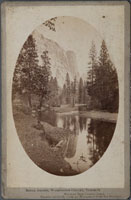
88 140
101 133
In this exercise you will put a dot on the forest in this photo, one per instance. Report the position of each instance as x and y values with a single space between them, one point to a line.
73 92
98 92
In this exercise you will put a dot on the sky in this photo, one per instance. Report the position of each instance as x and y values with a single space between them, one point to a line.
76 35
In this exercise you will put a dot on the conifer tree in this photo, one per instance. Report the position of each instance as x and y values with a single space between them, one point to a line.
102 86
106 81
68 91
41 79
74 91
81 91
92 66
25 67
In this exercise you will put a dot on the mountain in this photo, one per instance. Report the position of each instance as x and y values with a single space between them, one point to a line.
61 61
72 62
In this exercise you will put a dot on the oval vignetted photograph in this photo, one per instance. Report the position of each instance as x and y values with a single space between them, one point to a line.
65 96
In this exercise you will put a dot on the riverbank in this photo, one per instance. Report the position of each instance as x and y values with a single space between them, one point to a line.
65 108
103 116
93 114
42 148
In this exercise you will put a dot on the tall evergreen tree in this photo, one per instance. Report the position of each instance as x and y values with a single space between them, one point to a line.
68 90
86 97
54 92
74 91
41 78
92 66
81 91
106 76
104 90
26 64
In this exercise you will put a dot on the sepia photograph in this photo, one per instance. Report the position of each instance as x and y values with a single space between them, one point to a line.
65 96
65 100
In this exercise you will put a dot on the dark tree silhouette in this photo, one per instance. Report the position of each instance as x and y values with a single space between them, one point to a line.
96 133
54 92
26 64
74 91
68 89
41 79
104 87
92 66
81 91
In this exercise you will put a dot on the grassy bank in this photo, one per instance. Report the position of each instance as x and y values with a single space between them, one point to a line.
40 147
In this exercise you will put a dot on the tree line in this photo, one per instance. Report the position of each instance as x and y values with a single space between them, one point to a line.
74 92
99 91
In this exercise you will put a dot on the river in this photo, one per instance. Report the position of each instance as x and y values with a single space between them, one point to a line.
88 141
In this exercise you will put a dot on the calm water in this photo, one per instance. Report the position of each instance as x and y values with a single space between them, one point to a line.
88 140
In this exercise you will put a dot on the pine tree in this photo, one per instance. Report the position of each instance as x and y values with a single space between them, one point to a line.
104 88
68 91
81 91
92 66
86 97
54 92
106 81
25 66
74 91
84 92
41 79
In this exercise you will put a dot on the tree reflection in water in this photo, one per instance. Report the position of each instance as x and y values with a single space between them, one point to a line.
95 133
88 140
82 123
99 134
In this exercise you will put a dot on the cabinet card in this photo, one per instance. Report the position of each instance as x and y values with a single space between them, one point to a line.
65 99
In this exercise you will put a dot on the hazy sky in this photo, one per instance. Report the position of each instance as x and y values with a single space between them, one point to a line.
76 35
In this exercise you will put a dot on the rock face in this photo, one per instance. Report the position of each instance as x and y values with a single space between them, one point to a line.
61 61
72 64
